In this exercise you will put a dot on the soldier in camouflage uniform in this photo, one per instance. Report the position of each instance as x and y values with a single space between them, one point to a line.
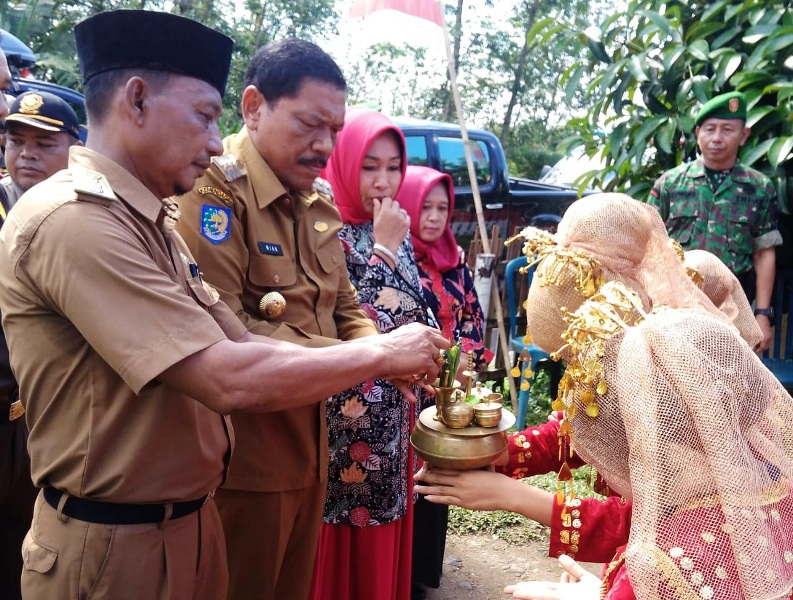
717 204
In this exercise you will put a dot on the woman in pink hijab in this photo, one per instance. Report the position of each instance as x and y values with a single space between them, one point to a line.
428 197
365 539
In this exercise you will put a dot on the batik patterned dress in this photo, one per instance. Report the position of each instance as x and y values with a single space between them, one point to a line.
369 426
452 297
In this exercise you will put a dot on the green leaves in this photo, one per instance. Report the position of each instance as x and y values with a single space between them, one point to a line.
651 66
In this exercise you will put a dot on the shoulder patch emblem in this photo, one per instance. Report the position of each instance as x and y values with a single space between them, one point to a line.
92 183
230 167
217 192
323 187
215 223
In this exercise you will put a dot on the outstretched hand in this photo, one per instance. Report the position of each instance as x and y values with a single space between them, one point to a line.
476 490
410 354
576 584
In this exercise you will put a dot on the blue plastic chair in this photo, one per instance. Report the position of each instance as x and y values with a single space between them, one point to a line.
516 337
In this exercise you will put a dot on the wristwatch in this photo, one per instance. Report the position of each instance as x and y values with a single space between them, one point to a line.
768 312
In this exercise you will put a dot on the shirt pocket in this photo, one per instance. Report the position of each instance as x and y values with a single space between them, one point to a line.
330 256
682 221
739 228
37 557
272 271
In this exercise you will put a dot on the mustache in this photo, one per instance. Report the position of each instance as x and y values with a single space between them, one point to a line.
314 161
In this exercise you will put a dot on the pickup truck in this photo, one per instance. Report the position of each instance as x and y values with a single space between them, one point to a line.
508 202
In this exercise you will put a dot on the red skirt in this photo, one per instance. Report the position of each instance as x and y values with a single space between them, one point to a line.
365 563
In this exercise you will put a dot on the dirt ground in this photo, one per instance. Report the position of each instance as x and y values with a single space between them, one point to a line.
479 566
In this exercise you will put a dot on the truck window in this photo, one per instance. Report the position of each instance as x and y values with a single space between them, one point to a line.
417 150
452 157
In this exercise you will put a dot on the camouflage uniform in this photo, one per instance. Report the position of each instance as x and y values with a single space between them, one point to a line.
737 220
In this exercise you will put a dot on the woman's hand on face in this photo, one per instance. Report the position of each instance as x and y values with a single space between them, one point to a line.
391 223
576 584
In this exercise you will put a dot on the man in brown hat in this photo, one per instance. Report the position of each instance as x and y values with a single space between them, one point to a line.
41 128
128 363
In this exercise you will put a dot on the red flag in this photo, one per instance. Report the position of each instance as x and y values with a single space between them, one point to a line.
423 9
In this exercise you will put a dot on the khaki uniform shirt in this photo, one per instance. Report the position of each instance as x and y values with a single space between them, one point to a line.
250 237
13 191
96 304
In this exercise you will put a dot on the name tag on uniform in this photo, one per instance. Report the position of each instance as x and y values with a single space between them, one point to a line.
271 249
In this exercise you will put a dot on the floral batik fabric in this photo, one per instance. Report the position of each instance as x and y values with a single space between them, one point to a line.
452 297
369 426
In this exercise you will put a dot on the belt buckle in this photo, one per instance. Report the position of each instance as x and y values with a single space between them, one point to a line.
16 410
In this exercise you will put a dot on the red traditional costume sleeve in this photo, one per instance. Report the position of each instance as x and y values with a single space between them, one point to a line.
589 529
535 451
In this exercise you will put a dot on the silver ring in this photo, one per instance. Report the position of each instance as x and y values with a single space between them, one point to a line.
403 211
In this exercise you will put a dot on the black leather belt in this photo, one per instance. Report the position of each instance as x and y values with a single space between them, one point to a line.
108 513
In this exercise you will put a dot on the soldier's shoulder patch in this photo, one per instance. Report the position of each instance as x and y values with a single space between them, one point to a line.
92 183
323 187
211 190
230 166
215 223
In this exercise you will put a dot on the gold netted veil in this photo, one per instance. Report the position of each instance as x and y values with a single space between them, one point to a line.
725 291
668 402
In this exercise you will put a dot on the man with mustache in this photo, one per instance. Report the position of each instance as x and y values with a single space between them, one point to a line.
718 204
41 129
263 228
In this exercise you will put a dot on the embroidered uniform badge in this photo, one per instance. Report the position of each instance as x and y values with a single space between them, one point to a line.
321 226
92 183
215 223
230 167
31 104
323 187
217 192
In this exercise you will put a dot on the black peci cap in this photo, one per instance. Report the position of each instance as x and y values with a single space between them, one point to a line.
123 39
45 111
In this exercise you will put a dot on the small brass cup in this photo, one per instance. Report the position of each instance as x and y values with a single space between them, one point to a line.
488 413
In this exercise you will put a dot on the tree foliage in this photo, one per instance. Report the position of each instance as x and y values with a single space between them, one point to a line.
651 66
509 76
47 27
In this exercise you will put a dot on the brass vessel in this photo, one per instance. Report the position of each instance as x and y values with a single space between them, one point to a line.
445 437
488 412
456 412
462 449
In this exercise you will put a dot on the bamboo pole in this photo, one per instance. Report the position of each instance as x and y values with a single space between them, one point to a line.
480 217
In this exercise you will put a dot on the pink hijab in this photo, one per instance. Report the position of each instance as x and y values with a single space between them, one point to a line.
443 253
362 126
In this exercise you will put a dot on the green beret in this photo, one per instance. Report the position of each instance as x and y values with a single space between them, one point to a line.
724 106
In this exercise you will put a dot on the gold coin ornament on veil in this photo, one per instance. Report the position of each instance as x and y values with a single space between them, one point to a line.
272 305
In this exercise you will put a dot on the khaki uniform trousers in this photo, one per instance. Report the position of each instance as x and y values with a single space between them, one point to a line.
180 559
290 522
